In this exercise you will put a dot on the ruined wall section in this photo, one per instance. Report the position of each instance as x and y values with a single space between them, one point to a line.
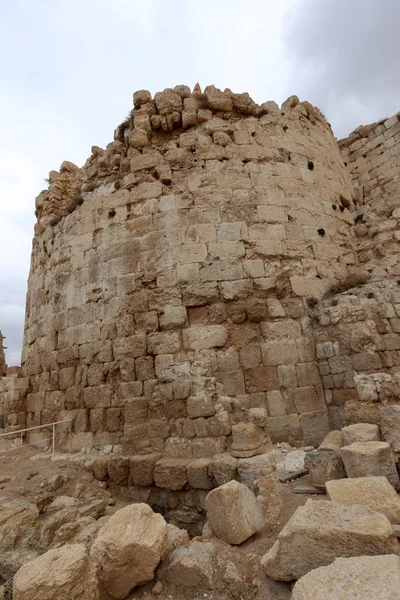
168 301
357 336
372 155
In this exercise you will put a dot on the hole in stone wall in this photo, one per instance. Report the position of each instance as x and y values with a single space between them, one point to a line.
285 127
341 208
312 302
112 213
310 165
321 231
334 206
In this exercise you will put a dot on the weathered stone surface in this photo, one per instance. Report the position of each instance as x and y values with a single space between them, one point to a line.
175 538
65 572
224 469
390 425
375 493
192 566
363 459
364 577
248 440
321 531
324 464
250 469
361 432
128 549
233 512
171 473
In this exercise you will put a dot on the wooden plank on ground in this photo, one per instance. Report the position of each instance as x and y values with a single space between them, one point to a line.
308 489
293 475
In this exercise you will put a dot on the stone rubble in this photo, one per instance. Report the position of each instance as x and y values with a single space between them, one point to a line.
362 459
374 493
321 531
128 549
233 512
366 577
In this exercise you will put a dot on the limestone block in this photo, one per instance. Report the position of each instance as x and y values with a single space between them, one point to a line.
65 572
248 440
166 342
224 469
173 317
201 404
141 97
128 549
250 469
138 138
217 100
390 425
321 531
362 459
366 577
203 447
361 432
374 493
284 428
171 473
142 469
233 512
334 439
175 538
167 102
315 426
198 474
324 465
192 566
279 353
200 338
118 469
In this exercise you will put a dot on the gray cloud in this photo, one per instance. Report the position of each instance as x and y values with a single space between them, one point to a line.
344 57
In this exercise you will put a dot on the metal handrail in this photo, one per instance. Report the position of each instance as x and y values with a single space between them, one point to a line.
53 439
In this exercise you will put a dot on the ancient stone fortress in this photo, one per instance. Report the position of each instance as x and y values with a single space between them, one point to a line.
222 276
214 304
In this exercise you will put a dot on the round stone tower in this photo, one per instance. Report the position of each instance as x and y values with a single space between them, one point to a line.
170 276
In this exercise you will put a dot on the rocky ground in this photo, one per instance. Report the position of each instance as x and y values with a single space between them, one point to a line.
65 534
46 504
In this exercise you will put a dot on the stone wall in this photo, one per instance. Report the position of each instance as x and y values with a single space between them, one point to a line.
372 156
357 336
170 276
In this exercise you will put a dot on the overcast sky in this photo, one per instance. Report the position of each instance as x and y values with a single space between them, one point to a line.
68 69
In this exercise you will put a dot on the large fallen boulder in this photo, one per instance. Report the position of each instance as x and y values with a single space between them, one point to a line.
321 531
363 459
363 577
374 493
233 512
361 432
192 566
66 572
128 548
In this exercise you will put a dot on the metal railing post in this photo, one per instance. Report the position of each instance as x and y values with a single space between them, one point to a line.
53 443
